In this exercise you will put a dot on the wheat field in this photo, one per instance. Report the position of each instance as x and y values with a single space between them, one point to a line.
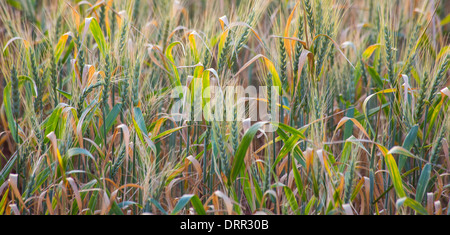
334 107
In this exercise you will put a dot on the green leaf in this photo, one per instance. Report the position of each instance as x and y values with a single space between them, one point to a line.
411 138
168 132
298 181
98 35
124 204
310 205
298 154
111 118
184 201
408 144
7 169
242 149
371 112
79 151
115 209
141 129
41 178
247 189
8 110
446 20
413 204
348 129
2 202
300 132
366 102
156 203
198 206
139 118
423 182
14 3
395 175
23 79
291 199
65 94
402 151
287 147
7 104
432 117
52 121
375 76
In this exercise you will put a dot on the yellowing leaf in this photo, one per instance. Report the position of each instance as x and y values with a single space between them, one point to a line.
369 51
56 154
273 71
193 46
61 44
360 127
288 43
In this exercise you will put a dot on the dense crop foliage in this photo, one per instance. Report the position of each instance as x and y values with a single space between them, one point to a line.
361 89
